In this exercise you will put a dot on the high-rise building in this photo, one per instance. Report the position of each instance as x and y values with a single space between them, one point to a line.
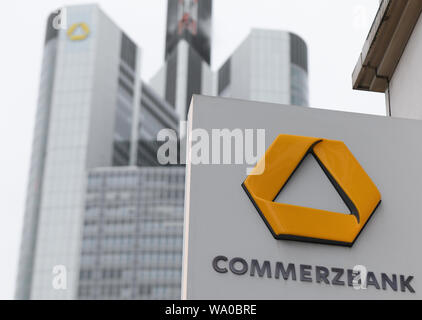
90 105
132 234
189 20
186 70
269 66
116 229
155 114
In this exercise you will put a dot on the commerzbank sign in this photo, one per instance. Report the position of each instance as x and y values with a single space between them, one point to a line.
288 222
273 232
357 277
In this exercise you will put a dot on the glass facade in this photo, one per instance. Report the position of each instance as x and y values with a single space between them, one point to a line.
187 73
194 73
155 114
187 68
63 179
118 230
190 20
124 107
132 234
299 90
84 108
268 66
299 86
224 77
36 173
171 78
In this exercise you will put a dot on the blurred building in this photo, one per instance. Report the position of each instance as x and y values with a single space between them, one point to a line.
155 114
190 20
93 111
270 66
88 207
132 235
186 69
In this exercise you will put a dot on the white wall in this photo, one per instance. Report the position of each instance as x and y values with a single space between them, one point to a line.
405 86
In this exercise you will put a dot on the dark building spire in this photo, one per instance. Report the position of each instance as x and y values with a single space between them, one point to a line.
189 20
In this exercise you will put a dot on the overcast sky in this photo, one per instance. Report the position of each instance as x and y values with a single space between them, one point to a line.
334 30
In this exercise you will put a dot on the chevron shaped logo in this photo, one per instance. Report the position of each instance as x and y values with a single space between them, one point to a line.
78 31
289 222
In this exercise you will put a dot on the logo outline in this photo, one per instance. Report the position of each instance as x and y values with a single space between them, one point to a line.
332 237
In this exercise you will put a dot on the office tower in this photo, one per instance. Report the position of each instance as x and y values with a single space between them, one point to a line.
132 234
83 98
89 107
155 114
189 20
186 70
95 112
268 66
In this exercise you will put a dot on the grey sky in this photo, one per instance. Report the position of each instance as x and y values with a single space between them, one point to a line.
334 30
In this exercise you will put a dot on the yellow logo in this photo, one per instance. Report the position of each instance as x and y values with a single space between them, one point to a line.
71 32
289 222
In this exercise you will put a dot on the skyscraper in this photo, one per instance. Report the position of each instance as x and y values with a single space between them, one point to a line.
186 70
155 114
96 121
269 66
132 234
89 111
190 20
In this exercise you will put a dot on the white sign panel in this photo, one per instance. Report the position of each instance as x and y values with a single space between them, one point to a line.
345 224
